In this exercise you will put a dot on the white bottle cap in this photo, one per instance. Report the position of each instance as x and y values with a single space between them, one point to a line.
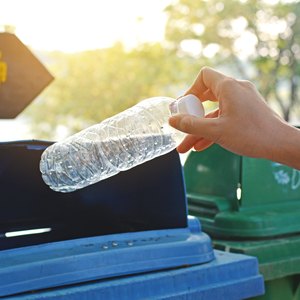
188 104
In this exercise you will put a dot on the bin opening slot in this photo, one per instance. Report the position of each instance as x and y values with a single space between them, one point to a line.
148 197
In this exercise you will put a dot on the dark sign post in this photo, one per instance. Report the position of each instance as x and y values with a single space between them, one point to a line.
22 76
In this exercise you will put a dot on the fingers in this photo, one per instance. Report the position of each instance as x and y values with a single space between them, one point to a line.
188 143
202 131
207 79
208 95
201 127
213 114
202 144
192 141
196 142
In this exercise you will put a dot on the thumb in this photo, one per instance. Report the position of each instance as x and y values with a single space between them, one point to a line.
201 127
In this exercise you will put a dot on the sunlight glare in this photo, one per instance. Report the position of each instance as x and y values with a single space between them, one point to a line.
78 25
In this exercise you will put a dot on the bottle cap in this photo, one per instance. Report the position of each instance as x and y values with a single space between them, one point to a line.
188 104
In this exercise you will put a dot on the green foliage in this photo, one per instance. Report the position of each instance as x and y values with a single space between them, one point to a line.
255 39
91 86
252 39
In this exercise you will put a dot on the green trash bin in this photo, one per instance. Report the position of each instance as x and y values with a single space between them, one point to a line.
250 206
279 263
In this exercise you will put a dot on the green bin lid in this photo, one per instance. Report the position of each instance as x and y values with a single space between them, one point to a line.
278 257
236 196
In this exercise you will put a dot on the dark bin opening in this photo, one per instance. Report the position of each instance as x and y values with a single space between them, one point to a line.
143 198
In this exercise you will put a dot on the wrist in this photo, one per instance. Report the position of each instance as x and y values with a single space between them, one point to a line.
286 146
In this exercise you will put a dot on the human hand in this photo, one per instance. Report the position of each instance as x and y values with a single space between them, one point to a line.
243 123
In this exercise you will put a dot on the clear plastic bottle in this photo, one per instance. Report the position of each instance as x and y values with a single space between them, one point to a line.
119 143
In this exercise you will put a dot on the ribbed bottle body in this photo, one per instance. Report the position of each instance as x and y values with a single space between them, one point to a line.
119 143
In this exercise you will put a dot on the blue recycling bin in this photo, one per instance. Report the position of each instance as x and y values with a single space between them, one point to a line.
127 237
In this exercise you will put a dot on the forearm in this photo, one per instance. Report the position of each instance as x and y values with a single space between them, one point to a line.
286 149
243 124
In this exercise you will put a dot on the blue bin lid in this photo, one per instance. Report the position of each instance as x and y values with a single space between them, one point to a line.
133 222
229 276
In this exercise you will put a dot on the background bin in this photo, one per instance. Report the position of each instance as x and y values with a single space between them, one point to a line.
279 262
249 206
127 237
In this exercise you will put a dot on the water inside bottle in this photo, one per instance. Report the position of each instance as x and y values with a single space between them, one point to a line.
90 161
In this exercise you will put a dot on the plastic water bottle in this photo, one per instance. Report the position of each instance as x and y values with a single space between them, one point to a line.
119 143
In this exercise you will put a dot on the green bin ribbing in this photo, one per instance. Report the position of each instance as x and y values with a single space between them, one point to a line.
250 206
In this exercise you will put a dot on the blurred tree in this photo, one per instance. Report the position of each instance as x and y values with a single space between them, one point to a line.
91 86
256 39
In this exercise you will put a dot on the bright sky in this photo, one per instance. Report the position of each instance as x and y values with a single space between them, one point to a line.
74 25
